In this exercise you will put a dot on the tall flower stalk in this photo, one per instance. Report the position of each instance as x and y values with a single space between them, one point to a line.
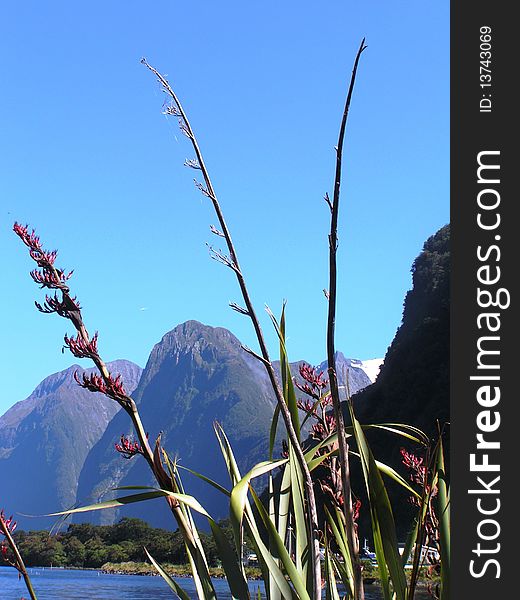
352 537
231 261
84 345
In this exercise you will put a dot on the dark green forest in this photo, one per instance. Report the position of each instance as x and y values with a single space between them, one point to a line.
91 546
413 386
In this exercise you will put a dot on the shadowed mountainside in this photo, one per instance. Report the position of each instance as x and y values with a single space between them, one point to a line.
413 384
45 439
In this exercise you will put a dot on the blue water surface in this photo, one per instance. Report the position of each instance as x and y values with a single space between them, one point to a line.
64 584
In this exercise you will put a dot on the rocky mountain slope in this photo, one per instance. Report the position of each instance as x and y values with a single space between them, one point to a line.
195 375
57 446
413 384
45 439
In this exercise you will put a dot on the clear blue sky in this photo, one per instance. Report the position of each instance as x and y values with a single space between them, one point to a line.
87 158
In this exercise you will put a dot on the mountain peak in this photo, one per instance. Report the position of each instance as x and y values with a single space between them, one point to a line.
190 331
62 436
128 370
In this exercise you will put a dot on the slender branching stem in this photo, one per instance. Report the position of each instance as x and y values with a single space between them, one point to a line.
125 401
352 538
83 346
209 191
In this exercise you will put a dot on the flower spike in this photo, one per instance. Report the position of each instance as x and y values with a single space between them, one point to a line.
127 447
81 348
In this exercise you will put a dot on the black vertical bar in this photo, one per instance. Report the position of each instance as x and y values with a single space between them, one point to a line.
485 250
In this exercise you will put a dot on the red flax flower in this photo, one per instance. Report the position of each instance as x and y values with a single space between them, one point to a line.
48 275
81 348
420 474
14 559
62 303
128 448
113 388
323 428
7 526
311 375
315 382
62 307
308 407
355 510
29 239
415 465
410 460
51 278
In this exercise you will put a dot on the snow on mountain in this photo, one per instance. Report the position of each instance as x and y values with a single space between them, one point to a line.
370 366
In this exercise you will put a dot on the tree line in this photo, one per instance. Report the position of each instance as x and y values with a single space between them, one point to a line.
90 546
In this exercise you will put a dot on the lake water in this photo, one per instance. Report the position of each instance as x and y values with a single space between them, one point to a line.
62 584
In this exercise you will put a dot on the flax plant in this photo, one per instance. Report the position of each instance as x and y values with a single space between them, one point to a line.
285 532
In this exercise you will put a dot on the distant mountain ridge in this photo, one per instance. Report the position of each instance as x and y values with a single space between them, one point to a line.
45 439
60 440
57 446
195 375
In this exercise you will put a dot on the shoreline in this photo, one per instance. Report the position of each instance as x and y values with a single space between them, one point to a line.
142 569
146 569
